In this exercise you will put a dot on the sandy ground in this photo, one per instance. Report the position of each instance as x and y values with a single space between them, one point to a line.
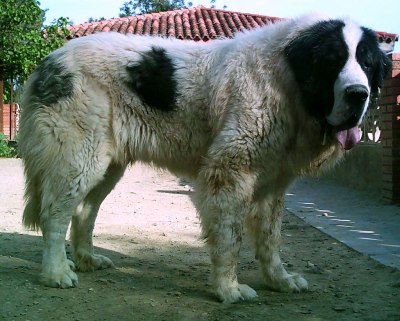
149 228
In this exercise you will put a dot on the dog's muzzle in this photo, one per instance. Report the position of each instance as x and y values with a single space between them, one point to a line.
355 98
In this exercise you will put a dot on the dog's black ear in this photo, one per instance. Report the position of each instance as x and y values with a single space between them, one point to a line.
379 62
316 57
300 57
318 50
384 65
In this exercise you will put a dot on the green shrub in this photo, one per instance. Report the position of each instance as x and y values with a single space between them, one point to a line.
7 148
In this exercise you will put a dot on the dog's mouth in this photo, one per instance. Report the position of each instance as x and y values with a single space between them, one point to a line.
347 134
348 138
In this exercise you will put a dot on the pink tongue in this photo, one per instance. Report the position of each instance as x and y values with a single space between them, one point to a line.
349 138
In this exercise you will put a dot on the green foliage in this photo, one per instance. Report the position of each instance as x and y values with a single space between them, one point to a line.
91 19
24 39
212 4
134 7
6 150
131 8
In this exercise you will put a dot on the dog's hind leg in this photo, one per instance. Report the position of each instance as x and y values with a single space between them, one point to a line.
264 223
84 219
57 270
64 188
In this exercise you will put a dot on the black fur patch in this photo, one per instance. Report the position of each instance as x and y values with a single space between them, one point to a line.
372 60
153 79
53 82
316 58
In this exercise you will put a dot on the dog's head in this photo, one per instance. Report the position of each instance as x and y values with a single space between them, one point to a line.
339 67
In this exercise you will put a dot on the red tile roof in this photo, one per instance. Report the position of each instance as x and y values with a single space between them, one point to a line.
197 23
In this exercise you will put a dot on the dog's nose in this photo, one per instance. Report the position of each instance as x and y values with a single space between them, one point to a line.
356 94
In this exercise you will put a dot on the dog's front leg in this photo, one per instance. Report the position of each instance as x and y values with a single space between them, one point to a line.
223 198
264 224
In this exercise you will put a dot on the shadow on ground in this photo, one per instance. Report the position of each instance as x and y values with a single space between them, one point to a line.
155 280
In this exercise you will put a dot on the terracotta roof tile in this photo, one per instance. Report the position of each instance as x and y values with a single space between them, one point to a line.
197 23
179 27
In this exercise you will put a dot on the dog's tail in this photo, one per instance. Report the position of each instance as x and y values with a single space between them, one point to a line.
31 152
31 216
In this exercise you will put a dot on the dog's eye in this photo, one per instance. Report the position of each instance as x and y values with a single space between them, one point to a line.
367 65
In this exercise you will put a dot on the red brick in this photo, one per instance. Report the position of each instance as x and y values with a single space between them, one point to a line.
387 117
393 108
9 129
392 82
391 91
395 73
383 108
386 126
392 99
395 65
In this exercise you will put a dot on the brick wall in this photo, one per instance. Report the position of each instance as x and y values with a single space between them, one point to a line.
390 105
8 121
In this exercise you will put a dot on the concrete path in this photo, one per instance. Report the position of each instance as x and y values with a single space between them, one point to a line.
357 219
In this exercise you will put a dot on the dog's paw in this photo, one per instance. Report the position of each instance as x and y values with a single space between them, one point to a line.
237 293
63 277
290 283
92 262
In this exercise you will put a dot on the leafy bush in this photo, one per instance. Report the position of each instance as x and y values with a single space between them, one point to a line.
7 148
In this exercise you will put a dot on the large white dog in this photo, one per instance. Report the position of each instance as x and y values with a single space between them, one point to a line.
241 118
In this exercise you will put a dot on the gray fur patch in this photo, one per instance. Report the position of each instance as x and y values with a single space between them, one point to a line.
53 82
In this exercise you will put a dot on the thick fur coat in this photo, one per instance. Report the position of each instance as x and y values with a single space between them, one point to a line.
241 118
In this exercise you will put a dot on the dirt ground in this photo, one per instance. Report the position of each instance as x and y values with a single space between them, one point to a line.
149 228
